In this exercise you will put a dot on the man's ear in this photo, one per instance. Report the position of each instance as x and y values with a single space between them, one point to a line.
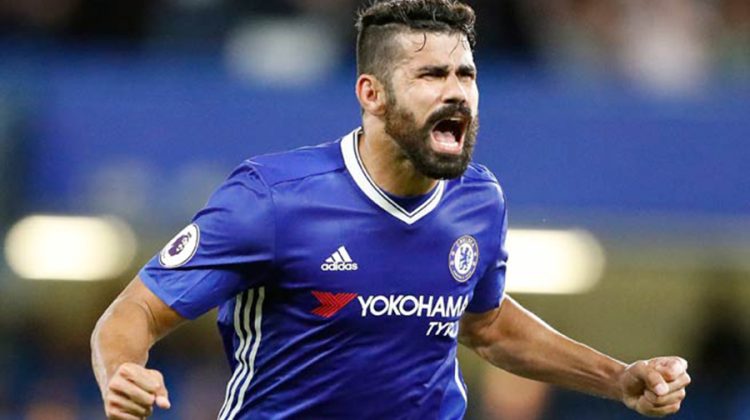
371 94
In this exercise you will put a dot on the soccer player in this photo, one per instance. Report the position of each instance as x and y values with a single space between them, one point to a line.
347 273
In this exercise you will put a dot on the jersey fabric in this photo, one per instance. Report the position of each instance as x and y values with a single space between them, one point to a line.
334 301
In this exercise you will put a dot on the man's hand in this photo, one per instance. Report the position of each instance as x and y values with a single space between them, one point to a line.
655 387
133 391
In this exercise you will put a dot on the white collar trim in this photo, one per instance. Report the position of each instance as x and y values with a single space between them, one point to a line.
356 168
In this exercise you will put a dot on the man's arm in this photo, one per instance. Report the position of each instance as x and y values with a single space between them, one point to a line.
514 339
119 350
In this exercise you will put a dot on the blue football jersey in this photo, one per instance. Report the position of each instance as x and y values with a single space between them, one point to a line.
334 301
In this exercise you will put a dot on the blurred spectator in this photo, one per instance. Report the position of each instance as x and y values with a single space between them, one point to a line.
733 39
665 45
721 381
579 38
36 17
53 398
119 21
509 397
505 28
12 160
657 46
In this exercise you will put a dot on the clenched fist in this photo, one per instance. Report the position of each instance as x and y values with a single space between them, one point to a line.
132 392
655 387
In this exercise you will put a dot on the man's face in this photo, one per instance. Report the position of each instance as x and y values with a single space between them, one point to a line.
432 103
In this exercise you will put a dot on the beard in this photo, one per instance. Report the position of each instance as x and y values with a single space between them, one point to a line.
414 140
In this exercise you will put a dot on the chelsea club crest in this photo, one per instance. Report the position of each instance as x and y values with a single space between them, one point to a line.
463 258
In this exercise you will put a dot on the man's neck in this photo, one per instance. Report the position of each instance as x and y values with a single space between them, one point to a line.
388 167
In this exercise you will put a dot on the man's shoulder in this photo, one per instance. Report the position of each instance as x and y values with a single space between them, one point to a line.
476 172
483 184
298 163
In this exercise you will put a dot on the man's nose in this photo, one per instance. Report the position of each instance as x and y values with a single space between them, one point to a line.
454 91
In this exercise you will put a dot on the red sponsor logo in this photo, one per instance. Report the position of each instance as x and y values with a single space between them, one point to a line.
331 303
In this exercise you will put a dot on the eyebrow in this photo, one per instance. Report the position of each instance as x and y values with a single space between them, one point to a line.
432 69
467 69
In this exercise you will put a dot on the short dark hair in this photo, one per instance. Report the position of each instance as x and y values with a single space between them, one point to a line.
378 24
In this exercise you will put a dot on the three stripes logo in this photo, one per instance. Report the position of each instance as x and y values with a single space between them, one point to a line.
339 261
331 303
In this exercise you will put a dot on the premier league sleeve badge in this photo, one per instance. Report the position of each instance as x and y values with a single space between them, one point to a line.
181 248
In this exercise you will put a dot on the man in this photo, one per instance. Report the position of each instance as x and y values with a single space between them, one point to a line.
346 273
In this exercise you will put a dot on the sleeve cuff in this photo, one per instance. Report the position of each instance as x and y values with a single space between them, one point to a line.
161 293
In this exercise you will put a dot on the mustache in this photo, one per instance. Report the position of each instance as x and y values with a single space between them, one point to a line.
448 111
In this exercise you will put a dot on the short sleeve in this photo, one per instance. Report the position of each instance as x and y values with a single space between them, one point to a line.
489 289
226 249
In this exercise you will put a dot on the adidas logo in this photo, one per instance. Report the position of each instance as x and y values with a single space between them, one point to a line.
339 261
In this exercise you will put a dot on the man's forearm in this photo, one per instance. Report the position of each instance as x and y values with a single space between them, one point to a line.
119 351
122 334
523 344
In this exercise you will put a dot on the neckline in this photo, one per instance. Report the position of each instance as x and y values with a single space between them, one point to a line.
353 162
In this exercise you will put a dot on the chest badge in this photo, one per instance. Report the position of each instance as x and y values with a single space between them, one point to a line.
463 258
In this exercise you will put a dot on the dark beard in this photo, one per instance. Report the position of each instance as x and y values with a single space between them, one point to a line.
414 140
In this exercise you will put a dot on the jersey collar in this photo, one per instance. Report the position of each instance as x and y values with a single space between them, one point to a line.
356 168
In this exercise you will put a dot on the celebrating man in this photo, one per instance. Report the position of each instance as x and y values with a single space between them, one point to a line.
347 273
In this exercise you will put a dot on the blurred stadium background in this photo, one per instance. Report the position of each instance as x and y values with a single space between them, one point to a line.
619 129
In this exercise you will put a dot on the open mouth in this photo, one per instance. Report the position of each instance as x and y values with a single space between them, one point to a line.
448 135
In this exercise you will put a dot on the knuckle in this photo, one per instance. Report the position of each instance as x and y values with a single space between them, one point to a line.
113 385
650 396
157 375
140 411
125 369
670 409
673 408
137 410
113 413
